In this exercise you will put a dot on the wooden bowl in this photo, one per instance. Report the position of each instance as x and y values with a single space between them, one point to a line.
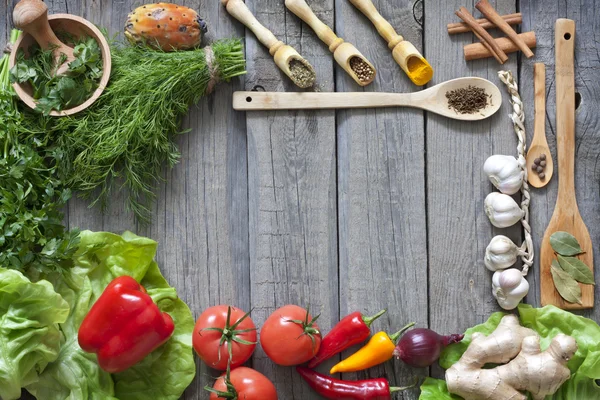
77 27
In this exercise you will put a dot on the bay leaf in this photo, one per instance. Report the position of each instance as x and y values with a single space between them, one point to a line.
577 269
567 287
565 244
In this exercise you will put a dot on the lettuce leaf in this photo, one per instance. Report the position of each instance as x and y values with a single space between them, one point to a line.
29 335
547 322
162 375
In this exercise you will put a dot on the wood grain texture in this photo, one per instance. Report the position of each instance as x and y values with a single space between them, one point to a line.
458 229
566 216
291 190
381 193
541 17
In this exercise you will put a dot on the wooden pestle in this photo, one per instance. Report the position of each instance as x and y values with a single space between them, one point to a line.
405 53
282 53
342 51
476 51
31 16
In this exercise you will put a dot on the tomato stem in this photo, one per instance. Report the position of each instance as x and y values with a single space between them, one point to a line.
229 333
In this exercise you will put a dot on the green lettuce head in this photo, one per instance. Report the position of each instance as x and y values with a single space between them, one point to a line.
29 331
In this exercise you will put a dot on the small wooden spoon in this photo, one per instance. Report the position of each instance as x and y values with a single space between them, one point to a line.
31 16
539 144
566 215
432 99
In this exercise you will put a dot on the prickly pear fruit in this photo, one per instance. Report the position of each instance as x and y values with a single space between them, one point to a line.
165 26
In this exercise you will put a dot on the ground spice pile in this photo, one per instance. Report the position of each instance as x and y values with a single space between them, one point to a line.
363 71
302 75
467 100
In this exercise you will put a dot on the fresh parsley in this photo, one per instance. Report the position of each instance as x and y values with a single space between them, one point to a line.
32 193
63 91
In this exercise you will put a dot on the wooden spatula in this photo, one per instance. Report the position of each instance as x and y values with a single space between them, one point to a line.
566 215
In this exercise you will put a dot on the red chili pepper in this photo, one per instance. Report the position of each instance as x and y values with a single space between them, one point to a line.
124 326
330 388
352 329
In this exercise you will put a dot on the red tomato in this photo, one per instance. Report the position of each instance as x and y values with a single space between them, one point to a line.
290 336
215 329
248 383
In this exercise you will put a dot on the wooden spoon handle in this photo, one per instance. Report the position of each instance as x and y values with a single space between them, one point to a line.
306 14
324 100
384 28
539 84
564 39
238 10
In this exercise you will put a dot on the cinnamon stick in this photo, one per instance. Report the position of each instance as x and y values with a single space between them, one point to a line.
486 9
461 27
482 34
476 51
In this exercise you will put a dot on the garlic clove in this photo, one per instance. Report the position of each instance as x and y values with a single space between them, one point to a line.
509 287
501 253
502 210
505 173
509 279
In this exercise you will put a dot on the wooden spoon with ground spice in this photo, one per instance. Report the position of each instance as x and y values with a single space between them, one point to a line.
286 57
467 99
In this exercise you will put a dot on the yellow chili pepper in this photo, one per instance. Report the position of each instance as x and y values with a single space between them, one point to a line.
378 350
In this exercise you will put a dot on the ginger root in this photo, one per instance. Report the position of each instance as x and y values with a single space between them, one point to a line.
526 367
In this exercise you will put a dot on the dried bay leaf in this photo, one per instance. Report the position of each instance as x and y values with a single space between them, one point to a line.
565 244
567 287
577 269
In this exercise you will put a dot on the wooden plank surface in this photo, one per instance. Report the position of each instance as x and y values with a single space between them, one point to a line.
291 189
381 191
354 210
458 229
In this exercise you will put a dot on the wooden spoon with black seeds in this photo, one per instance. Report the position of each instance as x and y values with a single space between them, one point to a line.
539 161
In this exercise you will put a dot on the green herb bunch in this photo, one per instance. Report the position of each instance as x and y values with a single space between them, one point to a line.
32 237
60 92
126 137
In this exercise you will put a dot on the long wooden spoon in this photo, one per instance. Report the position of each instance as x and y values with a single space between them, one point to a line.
566 215
539 144
432 99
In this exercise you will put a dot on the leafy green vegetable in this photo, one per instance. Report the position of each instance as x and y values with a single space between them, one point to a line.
128 133
164 374
565 244
548 322
32 194
62 91
29 334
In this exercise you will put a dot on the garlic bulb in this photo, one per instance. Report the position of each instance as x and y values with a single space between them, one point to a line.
509 287
504 172
501 253
502 210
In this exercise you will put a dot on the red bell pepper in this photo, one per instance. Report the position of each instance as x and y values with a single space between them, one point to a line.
352 329
331 388
124 326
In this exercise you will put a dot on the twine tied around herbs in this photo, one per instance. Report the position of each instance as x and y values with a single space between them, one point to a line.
209 56
518 117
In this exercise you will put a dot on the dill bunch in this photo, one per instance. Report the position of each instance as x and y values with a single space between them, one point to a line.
123 140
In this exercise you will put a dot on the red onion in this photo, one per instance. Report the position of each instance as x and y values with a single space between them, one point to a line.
422 347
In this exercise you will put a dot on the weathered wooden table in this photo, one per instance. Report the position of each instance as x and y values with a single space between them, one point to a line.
351 210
